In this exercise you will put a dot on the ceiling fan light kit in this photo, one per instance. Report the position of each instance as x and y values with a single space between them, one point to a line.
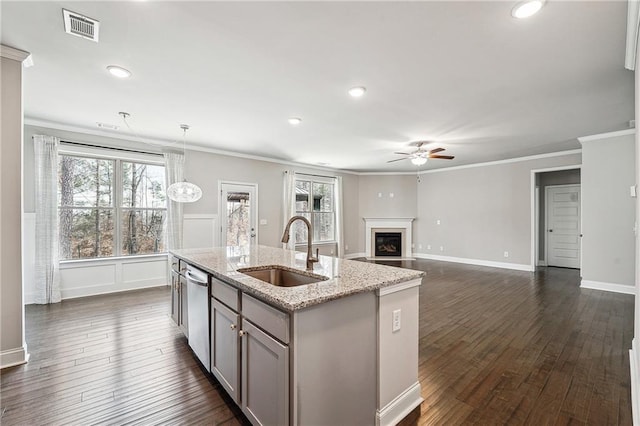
419 161
421 155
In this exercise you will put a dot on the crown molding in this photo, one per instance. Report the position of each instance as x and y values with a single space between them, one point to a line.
172 144
633 28
608 135
16 54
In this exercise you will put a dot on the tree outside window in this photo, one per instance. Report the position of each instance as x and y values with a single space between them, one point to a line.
315 200
98 220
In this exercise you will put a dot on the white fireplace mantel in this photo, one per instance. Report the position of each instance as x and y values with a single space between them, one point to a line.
401 223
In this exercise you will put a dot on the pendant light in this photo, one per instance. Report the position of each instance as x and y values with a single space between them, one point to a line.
184 192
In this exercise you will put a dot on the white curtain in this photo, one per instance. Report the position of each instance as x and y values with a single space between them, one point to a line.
339 217
47 278
289 204
174 172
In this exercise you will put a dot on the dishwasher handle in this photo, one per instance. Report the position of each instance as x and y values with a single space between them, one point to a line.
196 280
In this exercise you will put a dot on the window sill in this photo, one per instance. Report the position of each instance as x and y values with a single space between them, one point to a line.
316 243
99 260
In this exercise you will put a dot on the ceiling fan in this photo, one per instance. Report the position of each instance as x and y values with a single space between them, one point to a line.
421 155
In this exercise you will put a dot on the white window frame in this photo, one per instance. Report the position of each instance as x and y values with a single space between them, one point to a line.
118 156
318 179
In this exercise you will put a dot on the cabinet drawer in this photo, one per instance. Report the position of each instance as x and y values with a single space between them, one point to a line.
225 293
270 319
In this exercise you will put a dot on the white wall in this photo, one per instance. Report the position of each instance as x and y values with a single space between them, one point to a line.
13 348
608 210
483 212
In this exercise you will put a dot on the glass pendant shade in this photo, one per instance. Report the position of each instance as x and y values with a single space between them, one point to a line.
184 192
419 161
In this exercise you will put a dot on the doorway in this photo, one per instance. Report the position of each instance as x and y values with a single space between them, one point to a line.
562 220
540 180
238 212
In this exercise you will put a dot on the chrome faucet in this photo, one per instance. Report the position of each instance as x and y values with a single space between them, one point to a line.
285 239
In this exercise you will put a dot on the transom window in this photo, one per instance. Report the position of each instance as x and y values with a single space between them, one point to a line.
110 207
315 200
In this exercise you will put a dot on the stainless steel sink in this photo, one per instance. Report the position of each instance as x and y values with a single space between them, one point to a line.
282 276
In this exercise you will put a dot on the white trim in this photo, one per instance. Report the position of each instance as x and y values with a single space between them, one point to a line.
399 287
13 54
110 153
400 407
81 263
353 255
171 144
404 223
633 27
390 258
612 287
13 357
478 262
635 386
74 293
608 135
535 207
507 161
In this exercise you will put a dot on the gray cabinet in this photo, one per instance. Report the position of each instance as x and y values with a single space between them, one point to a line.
179 295
225 353
265 377
250 353
183 318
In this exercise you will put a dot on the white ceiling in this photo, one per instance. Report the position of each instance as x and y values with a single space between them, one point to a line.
467 75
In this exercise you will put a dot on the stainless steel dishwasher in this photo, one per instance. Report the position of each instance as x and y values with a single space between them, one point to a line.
198 313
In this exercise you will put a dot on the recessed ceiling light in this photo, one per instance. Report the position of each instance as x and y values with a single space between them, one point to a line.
357 92
119 71
294 121
526 9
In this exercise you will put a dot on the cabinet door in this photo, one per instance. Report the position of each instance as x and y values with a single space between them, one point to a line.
225 354
175 297
183 317
265 377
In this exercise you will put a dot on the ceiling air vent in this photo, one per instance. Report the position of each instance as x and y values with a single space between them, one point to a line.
81 26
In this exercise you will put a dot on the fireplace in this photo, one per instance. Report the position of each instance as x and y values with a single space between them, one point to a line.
388 244
398 225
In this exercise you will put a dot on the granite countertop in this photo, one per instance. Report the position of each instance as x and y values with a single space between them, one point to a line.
346 277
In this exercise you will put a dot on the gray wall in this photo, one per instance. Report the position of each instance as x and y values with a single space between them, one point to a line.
205 169
560 177
12 343
608 210
483 211
375 199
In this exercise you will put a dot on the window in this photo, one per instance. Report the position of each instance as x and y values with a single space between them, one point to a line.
110 207
315 200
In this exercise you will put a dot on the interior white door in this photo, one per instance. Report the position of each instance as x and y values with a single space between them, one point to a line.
563 225
238 214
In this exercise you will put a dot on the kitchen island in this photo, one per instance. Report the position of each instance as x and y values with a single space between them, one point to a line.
342 350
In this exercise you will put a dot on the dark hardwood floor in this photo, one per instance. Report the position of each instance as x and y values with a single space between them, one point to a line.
496 347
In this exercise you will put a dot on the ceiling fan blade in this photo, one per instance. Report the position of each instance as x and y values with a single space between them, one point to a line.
402 153
442 157
398 159
433 151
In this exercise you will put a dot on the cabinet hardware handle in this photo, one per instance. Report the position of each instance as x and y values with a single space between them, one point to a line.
233 326
242 333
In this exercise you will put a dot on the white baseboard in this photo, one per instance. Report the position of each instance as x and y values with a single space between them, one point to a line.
72 293
402 405
615 288
13 357
635 386
354 255
478 262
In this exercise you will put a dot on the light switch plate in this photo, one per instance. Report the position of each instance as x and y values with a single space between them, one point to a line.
263 221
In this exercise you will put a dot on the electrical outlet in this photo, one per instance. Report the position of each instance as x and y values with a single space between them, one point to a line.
506 254
379 194
441 248
391 195
396 321
438 222
331 251
419 246
263 221
346 247
428 246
